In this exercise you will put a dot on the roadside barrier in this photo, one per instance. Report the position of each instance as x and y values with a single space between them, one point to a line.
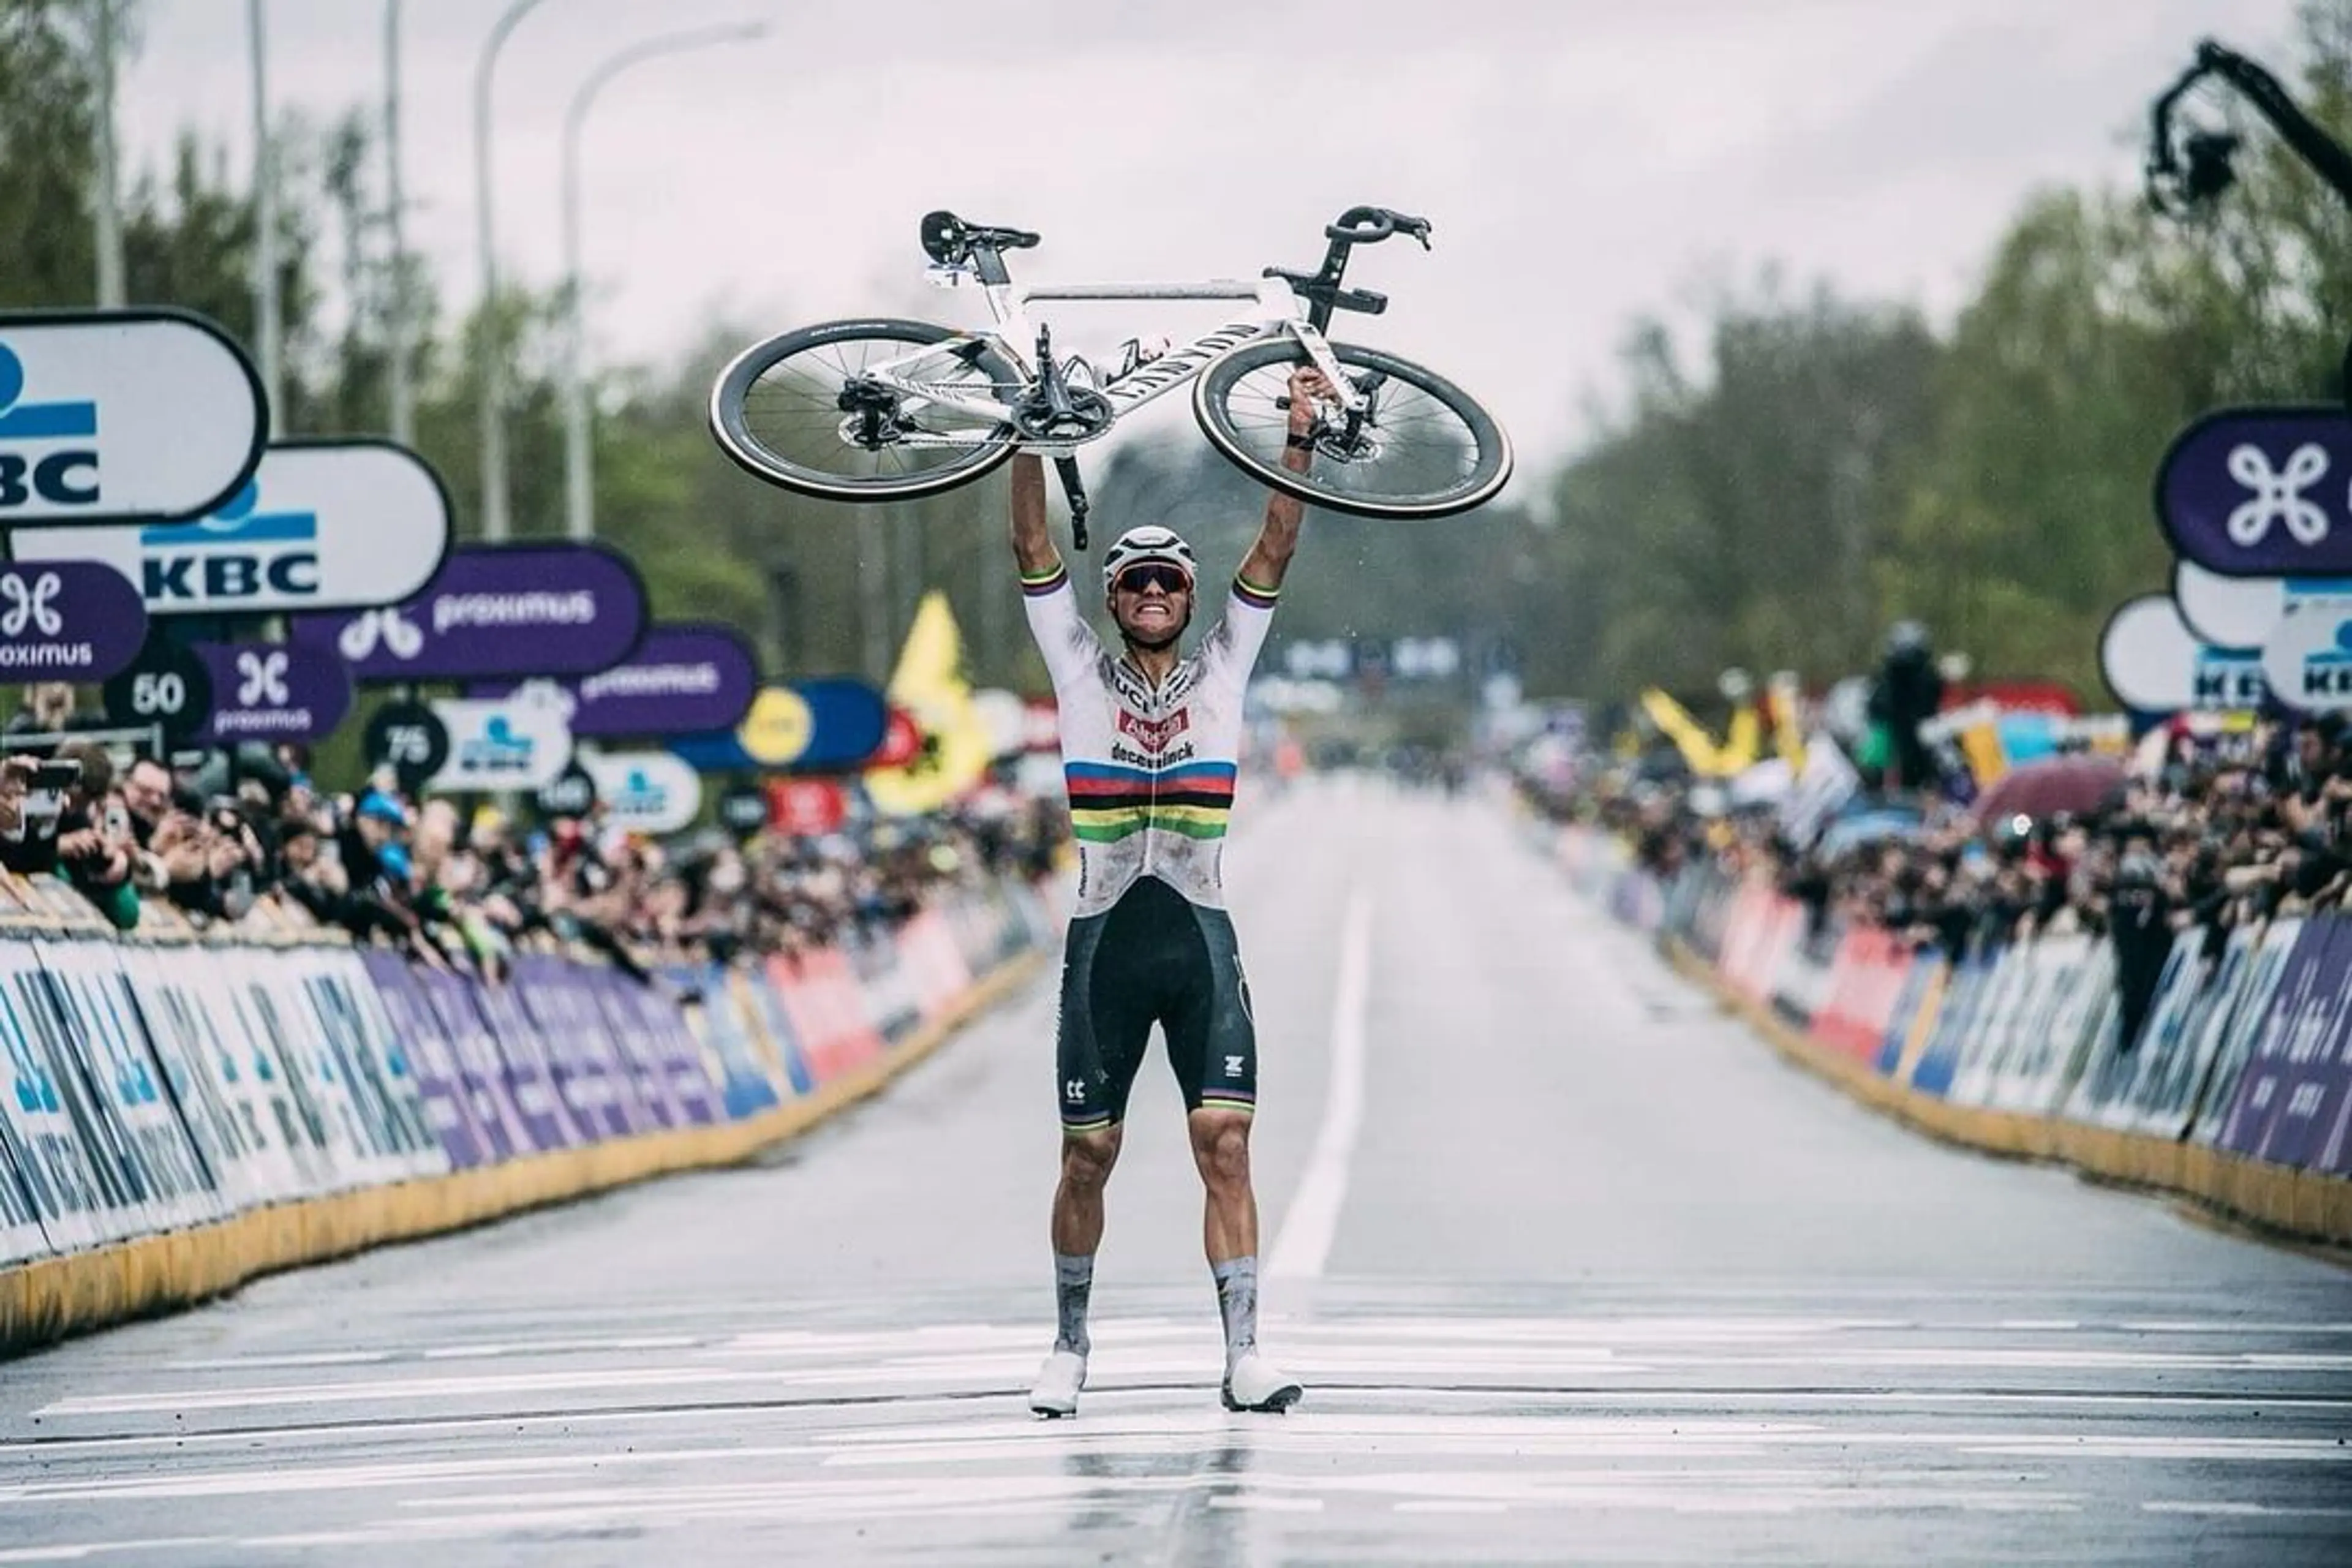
2238 1093
178 1116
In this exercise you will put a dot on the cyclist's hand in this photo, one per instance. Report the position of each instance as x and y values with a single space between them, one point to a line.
1308 387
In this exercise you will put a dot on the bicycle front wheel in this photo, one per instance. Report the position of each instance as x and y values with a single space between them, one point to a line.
805 410
1424 448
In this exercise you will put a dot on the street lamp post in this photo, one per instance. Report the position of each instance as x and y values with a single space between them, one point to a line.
400 394
579 478
110 210
264 221
492 371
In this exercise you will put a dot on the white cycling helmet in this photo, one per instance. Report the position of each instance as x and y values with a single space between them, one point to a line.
1150 542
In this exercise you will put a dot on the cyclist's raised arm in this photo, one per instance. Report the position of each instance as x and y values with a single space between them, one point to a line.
1033 542
1277 537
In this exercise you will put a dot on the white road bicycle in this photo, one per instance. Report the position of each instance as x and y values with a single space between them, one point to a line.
882 409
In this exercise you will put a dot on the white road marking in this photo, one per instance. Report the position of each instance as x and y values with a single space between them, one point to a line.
1304 1244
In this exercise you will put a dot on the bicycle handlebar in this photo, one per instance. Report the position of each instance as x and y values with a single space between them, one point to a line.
1369 226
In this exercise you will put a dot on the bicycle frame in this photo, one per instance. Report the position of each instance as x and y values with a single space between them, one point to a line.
1275 311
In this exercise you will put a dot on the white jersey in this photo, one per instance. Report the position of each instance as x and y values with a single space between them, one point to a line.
1150 772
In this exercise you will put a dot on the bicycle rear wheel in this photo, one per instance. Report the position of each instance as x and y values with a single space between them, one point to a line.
798 410
1423 449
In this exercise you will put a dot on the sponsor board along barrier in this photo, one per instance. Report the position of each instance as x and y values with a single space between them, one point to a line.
2238 1091
177 1117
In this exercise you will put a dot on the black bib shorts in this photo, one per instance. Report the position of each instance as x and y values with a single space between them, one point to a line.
1153 957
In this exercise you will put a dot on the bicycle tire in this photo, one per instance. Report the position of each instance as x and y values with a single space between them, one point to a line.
1256 447
733 417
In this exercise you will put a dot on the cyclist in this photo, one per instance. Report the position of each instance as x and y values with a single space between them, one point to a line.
1148 742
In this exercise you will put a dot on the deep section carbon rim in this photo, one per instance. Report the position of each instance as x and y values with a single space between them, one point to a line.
1427 449
779 410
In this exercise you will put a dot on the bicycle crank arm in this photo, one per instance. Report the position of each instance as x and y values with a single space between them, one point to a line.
1075 489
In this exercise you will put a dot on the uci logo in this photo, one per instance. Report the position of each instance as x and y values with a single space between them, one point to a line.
238 553
48 451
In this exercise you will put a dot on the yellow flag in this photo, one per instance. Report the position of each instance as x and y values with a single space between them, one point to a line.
929 684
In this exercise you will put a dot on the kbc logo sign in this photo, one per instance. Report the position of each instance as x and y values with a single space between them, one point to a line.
48 451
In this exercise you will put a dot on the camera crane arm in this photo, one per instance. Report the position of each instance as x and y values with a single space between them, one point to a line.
2172 187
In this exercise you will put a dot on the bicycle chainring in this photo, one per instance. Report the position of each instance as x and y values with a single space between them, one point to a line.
1035 419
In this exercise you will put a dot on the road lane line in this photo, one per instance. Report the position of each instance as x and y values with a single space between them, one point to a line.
1304 1243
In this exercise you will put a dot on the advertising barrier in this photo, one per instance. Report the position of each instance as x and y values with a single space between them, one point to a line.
149 1088
2238 1088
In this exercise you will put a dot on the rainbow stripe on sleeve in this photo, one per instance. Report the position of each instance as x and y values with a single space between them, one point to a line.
1109 802
1044 582
1256 598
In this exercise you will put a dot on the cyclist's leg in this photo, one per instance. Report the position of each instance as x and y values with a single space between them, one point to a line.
1212 1043
1101 1040
1213 1046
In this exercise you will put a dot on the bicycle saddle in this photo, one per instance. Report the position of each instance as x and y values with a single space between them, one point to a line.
948 240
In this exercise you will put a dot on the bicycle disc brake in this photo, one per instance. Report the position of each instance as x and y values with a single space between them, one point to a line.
1354 436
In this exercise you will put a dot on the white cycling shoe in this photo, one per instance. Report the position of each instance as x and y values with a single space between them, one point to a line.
1058 1381
1255 1384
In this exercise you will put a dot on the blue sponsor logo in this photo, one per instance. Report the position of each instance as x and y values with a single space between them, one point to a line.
60 466
238 553
498 750
2328 672
640 796
2229 681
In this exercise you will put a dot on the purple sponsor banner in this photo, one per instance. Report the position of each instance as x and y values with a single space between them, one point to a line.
2260 492
272 691
682 680
661 1019
2306 995
2310 1083
638 1052
588 1071
496 610
549 1035
68 620
524 1079
440 1080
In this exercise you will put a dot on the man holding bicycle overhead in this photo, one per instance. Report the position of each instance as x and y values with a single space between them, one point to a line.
1149 742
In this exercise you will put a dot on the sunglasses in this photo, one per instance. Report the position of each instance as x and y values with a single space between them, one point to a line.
1140 578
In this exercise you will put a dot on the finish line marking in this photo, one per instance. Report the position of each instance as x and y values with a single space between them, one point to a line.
1304 1245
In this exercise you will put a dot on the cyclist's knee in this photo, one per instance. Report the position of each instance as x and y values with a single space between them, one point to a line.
1220 1146
1087 1157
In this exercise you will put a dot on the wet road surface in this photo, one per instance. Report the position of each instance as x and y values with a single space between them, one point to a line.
1573 1267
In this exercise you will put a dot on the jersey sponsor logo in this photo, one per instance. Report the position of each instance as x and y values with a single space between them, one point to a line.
1154 734
1128 756
1232 1067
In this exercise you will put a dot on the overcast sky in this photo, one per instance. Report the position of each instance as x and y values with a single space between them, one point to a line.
1581 159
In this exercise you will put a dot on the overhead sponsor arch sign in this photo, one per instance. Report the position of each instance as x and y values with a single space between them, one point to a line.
320 525
2260 492
120 416
684 679
2151 661
492 610
645 792
520 742
272 691
68 620
809 726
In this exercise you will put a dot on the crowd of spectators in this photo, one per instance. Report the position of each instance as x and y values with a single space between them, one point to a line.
247 840
2212 827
